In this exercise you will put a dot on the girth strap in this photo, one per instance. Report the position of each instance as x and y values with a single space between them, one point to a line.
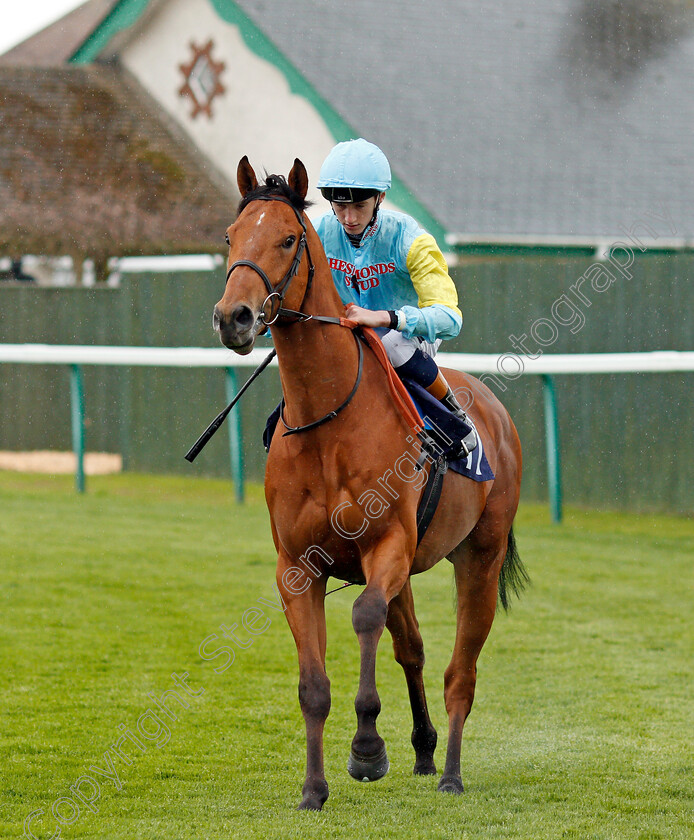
430 498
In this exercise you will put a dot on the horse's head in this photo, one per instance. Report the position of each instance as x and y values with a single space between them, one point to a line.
265 266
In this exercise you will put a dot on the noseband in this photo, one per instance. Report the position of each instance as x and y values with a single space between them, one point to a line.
278 292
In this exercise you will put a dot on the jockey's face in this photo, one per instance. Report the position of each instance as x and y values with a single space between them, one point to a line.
356 216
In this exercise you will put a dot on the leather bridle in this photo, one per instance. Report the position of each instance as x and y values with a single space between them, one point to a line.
278 292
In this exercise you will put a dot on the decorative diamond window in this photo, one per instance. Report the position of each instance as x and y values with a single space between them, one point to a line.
202 79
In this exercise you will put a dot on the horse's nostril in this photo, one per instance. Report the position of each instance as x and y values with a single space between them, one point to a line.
243 317
240 320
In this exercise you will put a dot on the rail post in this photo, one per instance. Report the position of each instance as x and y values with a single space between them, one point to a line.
235 437
552 447
77 423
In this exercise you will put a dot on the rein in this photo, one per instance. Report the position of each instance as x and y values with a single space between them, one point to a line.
291 430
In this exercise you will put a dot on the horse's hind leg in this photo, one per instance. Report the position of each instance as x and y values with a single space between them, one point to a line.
477 562
409 652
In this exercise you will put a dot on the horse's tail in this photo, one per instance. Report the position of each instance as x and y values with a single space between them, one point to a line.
513 574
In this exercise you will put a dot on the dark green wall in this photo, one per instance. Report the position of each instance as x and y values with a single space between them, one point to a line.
34 399
626 439
169 408
150 415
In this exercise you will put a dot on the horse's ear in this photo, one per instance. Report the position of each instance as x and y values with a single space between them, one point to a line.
245 177
298 178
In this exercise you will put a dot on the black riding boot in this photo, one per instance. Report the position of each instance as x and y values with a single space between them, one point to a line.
469 442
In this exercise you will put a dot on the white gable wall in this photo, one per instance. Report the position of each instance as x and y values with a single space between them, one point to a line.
257 115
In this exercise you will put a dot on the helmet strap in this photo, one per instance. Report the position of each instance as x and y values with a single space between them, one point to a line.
373 218
357 238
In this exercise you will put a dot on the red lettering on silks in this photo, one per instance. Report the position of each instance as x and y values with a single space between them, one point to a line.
367 277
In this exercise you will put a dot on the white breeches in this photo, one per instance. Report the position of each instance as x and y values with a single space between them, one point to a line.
401 349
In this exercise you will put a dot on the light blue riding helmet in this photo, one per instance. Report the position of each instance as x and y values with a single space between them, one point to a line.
353 171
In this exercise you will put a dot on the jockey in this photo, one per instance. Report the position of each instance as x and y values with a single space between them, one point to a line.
389 272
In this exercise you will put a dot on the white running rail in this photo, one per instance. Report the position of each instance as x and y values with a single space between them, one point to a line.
498 366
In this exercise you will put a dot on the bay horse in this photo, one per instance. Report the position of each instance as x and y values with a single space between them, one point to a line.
340 506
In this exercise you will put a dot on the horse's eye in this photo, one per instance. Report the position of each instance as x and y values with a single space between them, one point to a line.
226 239
289 241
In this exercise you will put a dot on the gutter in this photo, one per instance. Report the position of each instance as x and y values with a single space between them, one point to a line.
513 245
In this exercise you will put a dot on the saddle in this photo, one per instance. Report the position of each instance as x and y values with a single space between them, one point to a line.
440 441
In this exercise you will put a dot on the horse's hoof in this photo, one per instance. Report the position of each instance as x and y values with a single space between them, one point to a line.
425 767
451 784
310 803
368 769
313 797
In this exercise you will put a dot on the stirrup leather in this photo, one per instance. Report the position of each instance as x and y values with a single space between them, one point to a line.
469 442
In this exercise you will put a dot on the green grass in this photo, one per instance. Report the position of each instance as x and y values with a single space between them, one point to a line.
582 724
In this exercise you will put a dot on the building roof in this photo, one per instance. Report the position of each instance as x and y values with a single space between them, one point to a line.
56 43
556 117
89 167
553 119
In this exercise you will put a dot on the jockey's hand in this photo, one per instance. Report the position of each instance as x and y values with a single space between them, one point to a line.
367 317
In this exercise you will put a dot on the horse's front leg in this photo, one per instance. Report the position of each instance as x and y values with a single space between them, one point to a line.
386 570
305 613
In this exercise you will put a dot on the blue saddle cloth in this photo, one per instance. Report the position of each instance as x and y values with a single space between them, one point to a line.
447 431
445 428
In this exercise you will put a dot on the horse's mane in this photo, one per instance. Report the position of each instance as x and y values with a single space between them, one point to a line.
275 185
